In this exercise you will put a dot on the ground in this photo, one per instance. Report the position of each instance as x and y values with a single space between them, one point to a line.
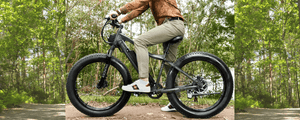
269 114
69 112
35 112
139 112
143 112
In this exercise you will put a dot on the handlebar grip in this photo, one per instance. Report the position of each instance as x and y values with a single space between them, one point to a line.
114 16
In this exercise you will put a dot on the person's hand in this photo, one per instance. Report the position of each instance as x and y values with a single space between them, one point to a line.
114 13
111 17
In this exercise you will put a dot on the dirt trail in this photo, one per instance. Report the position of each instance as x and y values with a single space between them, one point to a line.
143 112
35 112
269 114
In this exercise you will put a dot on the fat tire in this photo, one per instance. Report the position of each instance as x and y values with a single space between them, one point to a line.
71 80
226 75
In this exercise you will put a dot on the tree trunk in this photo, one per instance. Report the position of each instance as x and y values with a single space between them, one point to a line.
280 84
299 17
23 71
38 64
289 97
17 73
243 81
296 82
264 70
297 85
44 67
249 75
270 68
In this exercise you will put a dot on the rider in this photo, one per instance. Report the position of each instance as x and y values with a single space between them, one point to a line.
169 25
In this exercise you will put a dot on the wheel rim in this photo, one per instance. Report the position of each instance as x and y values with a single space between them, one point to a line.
213 85
87 93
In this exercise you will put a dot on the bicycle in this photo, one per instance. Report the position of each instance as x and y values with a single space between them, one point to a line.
201 94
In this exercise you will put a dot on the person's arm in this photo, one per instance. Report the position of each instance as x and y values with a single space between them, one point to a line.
134 13
133 5
137 7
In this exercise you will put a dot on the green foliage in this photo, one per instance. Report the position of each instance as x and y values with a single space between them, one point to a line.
39 95
12 98
245 102
266 52
31 42
265 99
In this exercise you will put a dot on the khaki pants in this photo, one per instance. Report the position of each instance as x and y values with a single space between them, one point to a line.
159 34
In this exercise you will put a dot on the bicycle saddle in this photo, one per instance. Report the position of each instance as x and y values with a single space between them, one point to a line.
175 39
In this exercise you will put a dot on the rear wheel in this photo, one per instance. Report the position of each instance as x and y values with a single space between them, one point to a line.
82 86
208 99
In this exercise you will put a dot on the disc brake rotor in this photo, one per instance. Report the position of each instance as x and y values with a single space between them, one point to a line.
201 89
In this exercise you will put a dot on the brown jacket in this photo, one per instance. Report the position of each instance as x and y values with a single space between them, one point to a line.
159 8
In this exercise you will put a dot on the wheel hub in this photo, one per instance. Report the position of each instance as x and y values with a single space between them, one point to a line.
202 87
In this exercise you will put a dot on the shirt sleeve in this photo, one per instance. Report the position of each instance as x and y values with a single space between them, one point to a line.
134 5
135 13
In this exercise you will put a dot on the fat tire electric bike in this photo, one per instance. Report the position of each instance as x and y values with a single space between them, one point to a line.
94 82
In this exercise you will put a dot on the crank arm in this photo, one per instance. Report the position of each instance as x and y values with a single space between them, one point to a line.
176 89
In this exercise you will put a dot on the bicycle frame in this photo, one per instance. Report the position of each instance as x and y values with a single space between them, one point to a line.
89 101
119 42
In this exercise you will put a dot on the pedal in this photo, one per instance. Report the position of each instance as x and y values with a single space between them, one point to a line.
154 94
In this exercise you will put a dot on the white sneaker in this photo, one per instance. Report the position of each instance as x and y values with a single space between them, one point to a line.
168 108
137 86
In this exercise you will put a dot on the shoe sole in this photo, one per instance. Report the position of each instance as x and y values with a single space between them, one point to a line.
136 91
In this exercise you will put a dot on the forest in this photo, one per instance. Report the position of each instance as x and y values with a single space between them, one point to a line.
267 53
32 48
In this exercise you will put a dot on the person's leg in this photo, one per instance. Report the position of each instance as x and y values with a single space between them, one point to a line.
173 51
159 34
172 58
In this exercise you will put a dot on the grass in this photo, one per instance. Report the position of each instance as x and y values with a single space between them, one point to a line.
143 99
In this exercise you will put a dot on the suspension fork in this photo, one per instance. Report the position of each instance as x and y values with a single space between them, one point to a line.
102 82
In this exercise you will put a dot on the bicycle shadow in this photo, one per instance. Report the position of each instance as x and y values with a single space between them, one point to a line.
35 112
269 114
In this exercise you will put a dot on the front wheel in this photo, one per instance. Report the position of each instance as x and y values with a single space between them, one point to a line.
211 96
82 85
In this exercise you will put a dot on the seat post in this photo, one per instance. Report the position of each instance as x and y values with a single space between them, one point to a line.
167 50
163 62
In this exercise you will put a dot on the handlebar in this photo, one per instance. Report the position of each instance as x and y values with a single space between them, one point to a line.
114 16
114 23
